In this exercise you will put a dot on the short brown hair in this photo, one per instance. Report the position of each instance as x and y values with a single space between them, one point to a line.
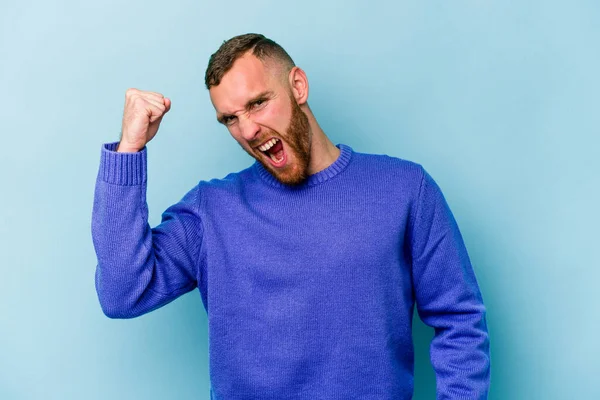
263 48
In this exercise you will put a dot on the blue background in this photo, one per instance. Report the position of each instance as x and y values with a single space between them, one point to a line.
499 101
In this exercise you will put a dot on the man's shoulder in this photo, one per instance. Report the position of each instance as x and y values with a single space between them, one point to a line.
389 166
233 181
383 158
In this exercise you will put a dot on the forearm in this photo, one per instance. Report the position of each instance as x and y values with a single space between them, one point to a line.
460 350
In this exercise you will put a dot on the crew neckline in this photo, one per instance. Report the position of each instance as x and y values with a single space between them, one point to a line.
332 170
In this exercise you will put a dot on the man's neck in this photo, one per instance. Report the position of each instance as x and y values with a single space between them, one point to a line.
323 152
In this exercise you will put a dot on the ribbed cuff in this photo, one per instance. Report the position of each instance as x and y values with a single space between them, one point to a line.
125 169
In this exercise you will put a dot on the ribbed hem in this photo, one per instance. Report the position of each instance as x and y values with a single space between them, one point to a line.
125 169
335 168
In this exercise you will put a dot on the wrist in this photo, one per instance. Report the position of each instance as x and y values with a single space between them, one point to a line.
122 148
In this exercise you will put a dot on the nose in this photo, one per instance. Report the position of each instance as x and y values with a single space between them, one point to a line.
248 128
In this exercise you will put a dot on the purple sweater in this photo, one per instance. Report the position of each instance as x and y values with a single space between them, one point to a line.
309 291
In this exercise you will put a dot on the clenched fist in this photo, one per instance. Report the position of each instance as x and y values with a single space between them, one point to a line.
142 115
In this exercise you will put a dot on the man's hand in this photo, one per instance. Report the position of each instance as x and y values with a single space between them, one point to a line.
142 115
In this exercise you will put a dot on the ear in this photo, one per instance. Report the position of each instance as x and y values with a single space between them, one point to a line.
299 84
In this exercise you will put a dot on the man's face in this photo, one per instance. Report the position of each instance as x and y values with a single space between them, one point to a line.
257 107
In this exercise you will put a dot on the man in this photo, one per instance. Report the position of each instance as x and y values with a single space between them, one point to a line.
309 262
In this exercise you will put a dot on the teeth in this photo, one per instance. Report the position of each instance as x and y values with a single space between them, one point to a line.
277 160
268 145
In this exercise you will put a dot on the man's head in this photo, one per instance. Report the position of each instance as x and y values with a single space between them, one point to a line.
258 92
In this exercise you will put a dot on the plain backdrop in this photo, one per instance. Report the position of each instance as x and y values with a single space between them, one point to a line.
498 100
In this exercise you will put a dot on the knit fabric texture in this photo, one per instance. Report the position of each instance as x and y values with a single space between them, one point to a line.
310 290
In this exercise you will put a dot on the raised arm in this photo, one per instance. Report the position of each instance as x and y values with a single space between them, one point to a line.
140 268
448 299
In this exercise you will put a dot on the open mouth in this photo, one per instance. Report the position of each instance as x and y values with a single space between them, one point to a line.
273 150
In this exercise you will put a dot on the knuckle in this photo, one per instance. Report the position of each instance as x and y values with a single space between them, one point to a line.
139 101
130 92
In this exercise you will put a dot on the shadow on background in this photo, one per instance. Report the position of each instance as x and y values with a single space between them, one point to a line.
424 374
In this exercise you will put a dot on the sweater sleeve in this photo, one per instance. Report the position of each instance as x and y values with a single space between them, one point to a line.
448 299
140 268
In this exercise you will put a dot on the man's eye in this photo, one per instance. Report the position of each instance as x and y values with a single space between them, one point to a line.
258 102
228 120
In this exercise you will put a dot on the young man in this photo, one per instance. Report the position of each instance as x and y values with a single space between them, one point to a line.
309 262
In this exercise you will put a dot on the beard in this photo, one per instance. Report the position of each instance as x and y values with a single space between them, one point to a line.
297 138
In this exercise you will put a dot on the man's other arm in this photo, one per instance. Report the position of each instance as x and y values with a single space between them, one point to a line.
448 298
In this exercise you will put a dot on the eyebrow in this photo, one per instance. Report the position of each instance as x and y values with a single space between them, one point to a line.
249 103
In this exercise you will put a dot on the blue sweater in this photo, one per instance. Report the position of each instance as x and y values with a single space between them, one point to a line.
309 291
